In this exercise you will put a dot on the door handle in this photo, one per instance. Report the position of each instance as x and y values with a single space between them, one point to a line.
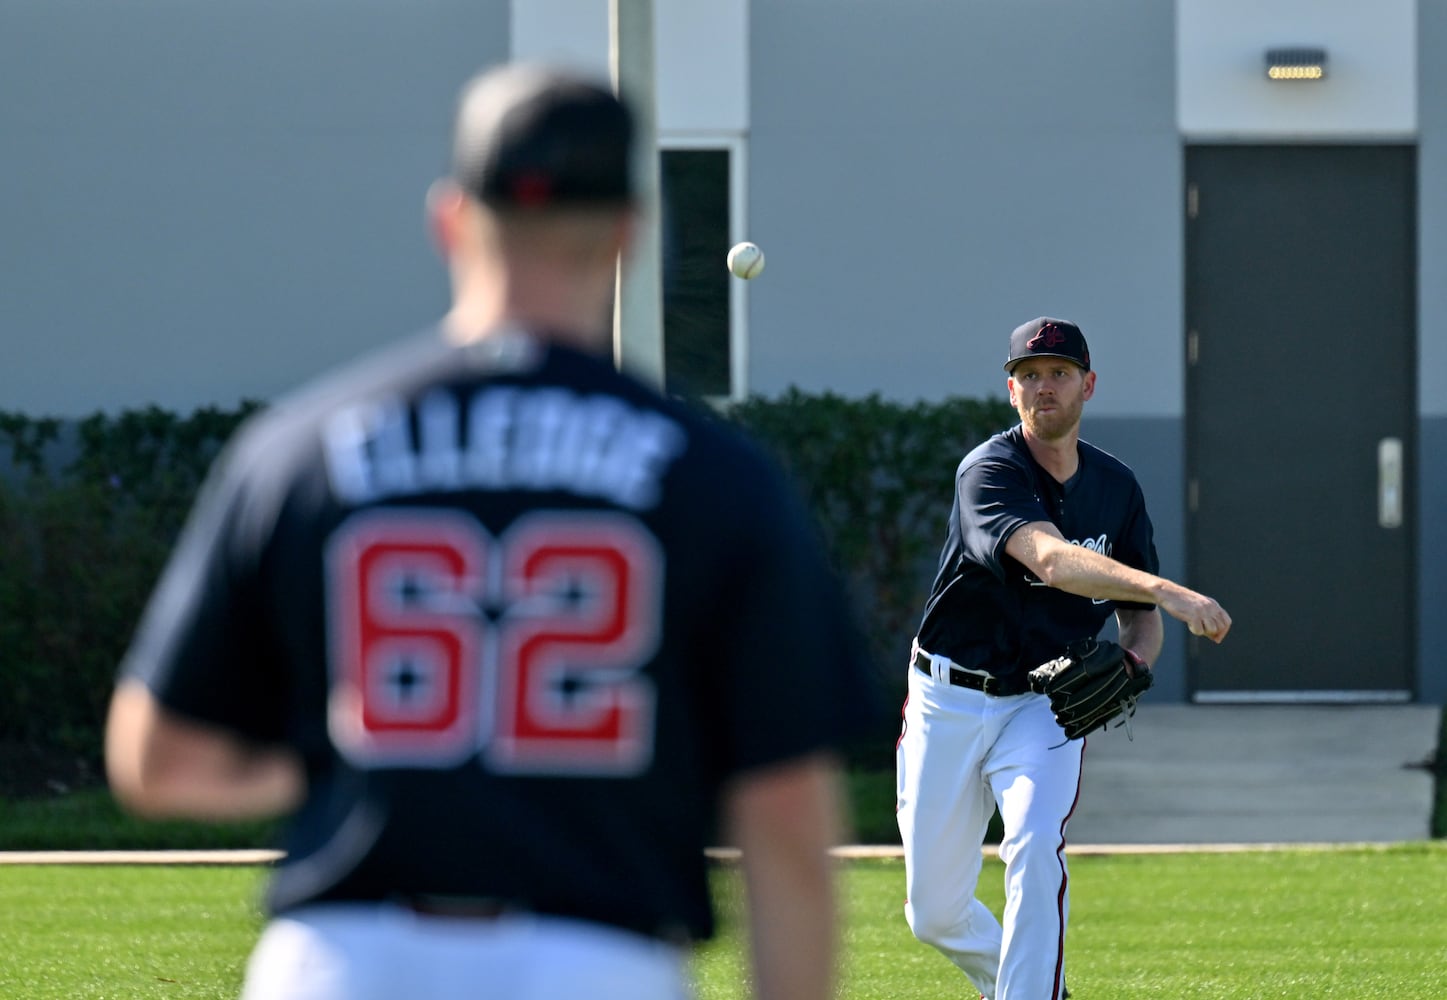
1389 482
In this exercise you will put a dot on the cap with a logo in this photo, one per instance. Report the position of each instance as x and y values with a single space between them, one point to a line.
1048 338
531 137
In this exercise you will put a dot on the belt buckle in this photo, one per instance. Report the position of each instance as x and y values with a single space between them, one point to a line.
988 682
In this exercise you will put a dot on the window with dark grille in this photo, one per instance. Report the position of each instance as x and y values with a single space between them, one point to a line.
694 222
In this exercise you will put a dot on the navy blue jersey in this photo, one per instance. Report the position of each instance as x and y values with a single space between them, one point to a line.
521 615
986 611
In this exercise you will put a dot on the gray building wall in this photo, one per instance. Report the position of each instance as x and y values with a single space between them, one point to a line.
925 175
201 202
1432 566
1432 355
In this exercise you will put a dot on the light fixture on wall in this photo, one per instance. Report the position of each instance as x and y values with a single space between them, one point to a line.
1295 64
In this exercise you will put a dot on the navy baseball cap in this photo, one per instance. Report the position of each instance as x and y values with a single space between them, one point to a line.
1048 338
532 137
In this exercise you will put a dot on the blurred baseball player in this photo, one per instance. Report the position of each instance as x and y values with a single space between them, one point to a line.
500 628
1047 537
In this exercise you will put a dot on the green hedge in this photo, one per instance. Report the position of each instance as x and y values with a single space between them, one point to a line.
89 512
880 478
81 546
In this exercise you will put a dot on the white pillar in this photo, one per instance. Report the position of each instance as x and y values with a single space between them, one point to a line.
638 309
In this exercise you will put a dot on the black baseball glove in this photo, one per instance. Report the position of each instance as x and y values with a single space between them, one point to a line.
1093 683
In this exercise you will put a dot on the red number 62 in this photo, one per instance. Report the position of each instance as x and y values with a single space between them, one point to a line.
445 641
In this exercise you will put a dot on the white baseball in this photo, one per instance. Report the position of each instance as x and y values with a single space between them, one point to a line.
746 260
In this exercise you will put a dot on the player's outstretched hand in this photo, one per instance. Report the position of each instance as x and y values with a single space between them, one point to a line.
1202 615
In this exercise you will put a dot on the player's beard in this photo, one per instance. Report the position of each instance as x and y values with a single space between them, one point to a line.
1058 423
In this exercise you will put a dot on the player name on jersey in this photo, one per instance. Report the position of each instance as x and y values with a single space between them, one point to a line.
501 438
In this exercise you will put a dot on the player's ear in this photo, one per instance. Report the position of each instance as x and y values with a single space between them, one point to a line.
445 207
1089 387
625 233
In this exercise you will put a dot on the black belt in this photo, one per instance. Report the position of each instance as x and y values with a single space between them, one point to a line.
973 679
482 908
459 907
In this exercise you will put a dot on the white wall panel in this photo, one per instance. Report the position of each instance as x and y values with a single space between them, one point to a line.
1370 87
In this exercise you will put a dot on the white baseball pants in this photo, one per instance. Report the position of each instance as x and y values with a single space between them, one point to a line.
375 951
961 754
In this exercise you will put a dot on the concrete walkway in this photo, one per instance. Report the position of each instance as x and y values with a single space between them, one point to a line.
1255 774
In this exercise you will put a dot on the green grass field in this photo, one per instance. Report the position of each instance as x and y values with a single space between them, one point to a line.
1351 923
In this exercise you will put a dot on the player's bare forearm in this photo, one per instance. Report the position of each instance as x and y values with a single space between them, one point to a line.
1141 632
1078 570
785 819
162 765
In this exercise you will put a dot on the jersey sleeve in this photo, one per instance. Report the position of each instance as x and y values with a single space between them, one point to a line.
995 498
201 646
793 673
1137 545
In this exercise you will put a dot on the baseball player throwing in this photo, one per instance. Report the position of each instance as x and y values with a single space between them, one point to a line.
1047 537
500 629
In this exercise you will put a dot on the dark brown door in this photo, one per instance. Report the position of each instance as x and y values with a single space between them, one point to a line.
1300 402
